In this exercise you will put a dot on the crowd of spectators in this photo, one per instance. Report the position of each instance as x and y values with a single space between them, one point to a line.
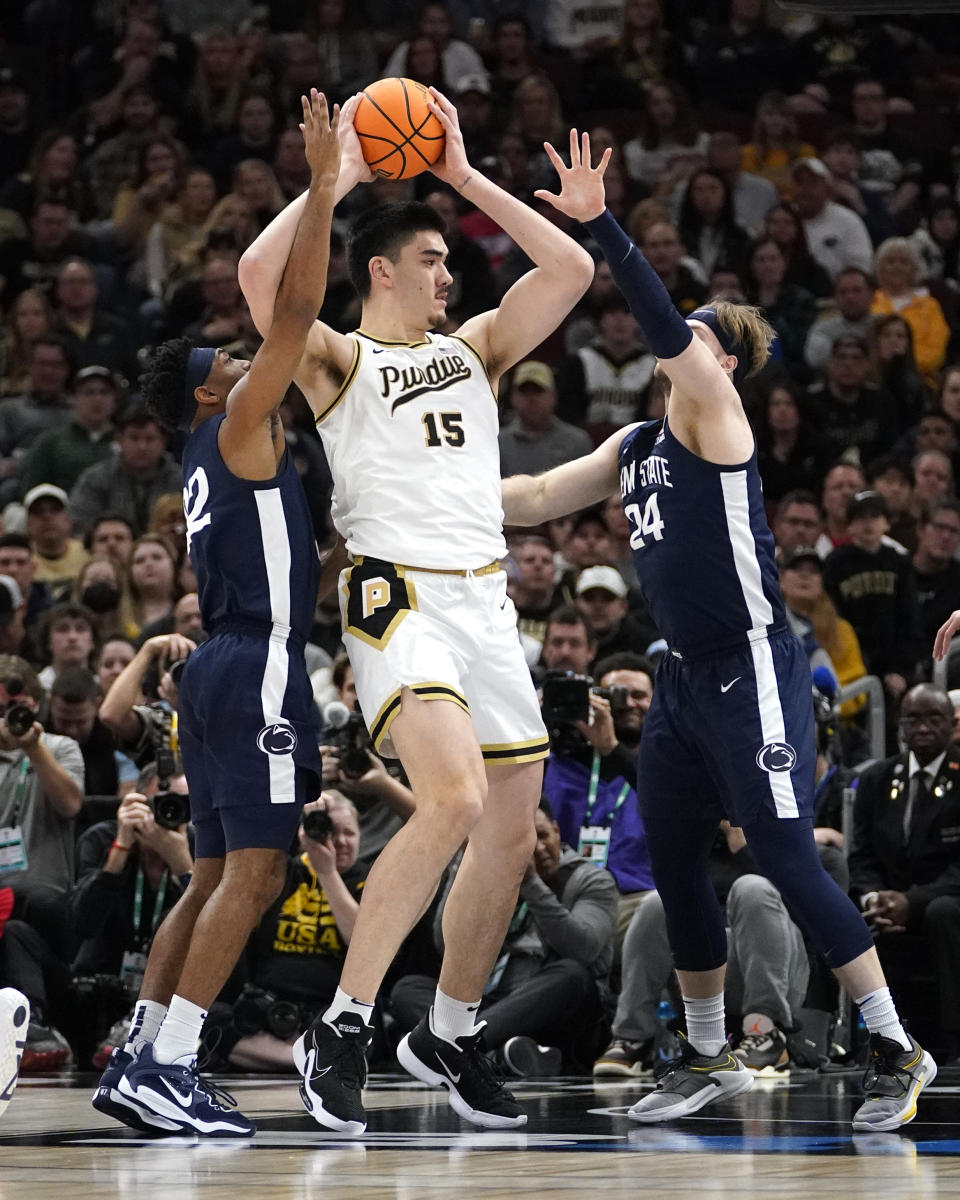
804 164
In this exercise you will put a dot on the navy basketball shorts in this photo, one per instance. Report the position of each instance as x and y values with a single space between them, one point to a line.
730 732
248 742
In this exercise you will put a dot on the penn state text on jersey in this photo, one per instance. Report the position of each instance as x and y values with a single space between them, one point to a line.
703 550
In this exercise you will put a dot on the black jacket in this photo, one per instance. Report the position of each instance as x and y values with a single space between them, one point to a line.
929 866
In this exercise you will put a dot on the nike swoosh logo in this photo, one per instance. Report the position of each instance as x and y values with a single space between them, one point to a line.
725 687
378 349
453 1078
184 1103
504 604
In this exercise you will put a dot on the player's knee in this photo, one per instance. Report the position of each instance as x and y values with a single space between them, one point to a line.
458 796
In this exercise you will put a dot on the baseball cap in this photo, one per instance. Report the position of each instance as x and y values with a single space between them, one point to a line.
477 82
815 165
867 504
537 373
10 599
800 554
42 491
608 579
96 372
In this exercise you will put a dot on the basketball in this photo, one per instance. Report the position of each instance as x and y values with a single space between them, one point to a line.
399 136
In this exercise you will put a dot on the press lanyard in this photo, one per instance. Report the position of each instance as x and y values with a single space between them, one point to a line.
157 904
594 787
21 788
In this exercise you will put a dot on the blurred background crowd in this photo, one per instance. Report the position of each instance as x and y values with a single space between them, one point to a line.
808 165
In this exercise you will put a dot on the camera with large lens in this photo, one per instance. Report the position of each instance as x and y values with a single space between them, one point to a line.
256 1010
353 745
170 809
318 825
18 716
566 698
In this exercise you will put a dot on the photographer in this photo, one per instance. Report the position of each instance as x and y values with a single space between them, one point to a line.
295 954
41 792
130 873
591 772
138 727
351 765
142 853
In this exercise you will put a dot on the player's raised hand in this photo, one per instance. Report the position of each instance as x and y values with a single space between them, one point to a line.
351 156
320 141
452 166
945 635
581 186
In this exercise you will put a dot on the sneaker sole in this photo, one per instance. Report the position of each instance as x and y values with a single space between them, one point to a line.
113 1103
162 1107
732 1083
410 1063
313 1104
929 1068
12 1003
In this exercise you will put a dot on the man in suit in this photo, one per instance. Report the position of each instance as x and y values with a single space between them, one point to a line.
905 859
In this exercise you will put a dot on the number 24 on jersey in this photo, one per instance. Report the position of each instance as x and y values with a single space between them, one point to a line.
648 524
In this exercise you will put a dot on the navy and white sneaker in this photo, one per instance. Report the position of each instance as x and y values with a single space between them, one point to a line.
14 1022
176 1092
109 1100
332 1061
474 1091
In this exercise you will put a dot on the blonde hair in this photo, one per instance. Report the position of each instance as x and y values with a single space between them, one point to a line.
746 324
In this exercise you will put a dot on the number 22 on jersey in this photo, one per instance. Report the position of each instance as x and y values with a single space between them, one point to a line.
648 524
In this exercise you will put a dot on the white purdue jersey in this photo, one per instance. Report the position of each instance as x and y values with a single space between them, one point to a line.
411 439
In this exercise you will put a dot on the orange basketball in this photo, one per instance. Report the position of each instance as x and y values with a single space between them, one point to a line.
399 135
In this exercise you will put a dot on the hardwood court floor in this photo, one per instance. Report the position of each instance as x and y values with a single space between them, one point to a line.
785 1138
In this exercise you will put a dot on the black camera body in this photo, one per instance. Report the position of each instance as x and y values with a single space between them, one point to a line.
256 1010
170 809
318 825
18 716
566 698
353 746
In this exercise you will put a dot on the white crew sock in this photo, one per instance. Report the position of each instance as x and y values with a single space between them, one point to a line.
705 1031
451 1019
342 1002
179 1035
145 1025
880 1015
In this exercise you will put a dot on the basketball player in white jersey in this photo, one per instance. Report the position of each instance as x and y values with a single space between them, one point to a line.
409 422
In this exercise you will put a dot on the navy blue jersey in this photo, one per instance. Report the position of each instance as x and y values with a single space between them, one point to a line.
702 548
251 542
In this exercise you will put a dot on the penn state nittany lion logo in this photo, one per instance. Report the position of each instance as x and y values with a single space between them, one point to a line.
278 738
776 757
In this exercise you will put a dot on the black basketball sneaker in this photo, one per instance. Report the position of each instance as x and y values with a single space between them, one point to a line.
475 1092
331 1059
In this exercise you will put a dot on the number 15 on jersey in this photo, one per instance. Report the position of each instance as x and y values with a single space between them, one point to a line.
648 524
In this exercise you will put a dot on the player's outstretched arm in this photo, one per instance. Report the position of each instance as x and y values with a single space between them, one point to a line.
536 304
689 364
302 284
533 499
262 264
